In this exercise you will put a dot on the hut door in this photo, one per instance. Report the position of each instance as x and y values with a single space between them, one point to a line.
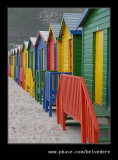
40 60
99 67
26 60
70 42
43 58
31 63
55 47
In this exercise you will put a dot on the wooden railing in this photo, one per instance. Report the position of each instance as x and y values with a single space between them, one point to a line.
9 71
12 71
22 77
17 74
50 89
29 82
73 99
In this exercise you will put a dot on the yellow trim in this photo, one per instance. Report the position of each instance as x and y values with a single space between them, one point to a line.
25 58
43 58
33 64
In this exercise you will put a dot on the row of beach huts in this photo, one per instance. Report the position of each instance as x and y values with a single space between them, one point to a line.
68 68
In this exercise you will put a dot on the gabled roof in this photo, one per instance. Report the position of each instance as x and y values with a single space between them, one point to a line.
43 35
71 20
32 40
81 21
8 53
25 43
19 48
16 50
12 52
54 28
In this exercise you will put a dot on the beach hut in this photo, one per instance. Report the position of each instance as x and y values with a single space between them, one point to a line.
12 57
31 55
95 53
8 58
52 46
25 55
15 56
41 51
12 62
19 54
70 44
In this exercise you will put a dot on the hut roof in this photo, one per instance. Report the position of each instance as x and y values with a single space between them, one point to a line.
71 20
33 40
55 27
43 35
26 44
8 53
19 47
83 18
12 51
15 50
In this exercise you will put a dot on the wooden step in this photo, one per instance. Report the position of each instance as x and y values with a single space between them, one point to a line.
101 112
104 139
72 124
104 127
68 118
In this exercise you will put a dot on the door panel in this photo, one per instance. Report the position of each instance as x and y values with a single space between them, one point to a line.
99 67
70 41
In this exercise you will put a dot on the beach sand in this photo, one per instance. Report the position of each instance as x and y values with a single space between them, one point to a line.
29 123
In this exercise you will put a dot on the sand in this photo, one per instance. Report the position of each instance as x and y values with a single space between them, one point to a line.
29 123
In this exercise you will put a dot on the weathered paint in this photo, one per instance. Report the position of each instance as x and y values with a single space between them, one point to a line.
98 19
